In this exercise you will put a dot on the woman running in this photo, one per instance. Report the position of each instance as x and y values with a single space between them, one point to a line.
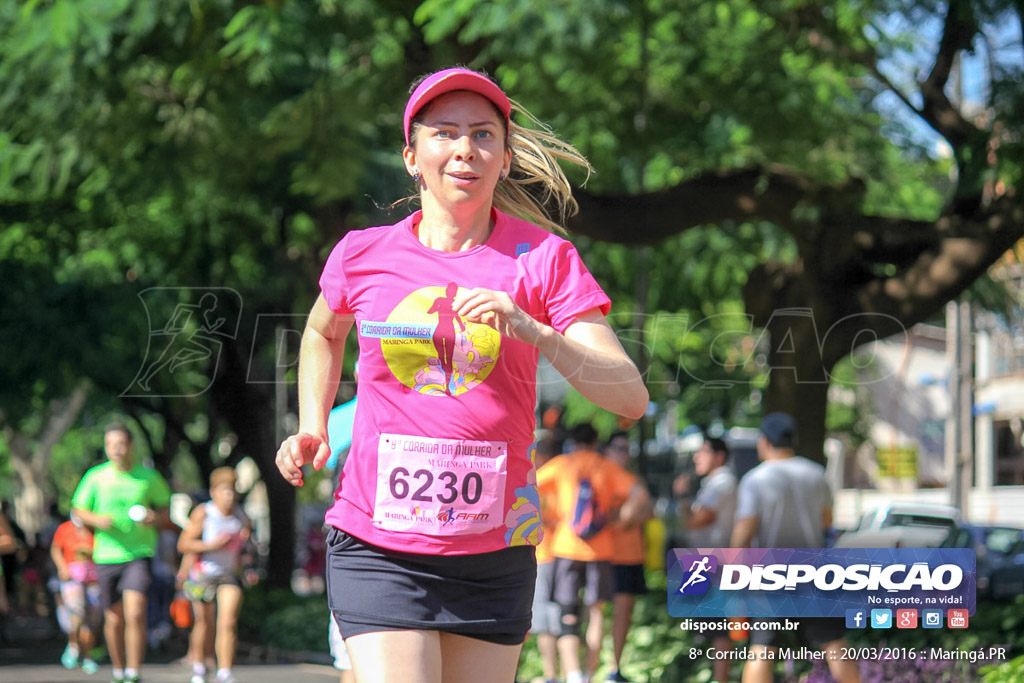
431 566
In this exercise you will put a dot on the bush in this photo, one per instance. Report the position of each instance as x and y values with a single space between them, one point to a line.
1010 672
299 628
278 618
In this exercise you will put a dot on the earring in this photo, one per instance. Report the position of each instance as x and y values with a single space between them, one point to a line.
415 176
501 176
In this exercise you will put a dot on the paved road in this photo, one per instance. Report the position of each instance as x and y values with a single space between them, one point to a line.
31 653
170 673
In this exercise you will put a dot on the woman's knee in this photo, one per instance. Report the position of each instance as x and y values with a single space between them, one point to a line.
227 622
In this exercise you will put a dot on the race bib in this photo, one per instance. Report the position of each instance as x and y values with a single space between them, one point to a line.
441 487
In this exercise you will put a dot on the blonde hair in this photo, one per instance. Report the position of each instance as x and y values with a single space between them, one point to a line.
536 188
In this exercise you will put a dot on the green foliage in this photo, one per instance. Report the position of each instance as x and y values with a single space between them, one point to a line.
157 144
276 617
1008 672
204 144
77 452
300 627
849 410
654 92
154 143
701 348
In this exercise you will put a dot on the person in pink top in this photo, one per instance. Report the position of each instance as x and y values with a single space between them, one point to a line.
431 567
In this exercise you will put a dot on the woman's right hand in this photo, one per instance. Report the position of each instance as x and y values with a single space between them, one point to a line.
298 450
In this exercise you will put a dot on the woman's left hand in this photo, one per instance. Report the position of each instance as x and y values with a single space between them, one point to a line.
497 310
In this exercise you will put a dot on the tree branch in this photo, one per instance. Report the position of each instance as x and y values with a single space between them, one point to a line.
957 34
970 246
174 430
62 414
937 111
771 194
16 441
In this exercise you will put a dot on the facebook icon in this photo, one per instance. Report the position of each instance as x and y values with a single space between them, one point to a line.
856 618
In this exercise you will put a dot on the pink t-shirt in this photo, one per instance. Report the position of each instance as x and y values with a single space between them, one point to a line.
441 456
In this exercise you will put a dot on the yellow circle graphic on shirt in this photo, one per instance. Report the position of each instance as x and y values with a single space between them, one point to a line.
429 348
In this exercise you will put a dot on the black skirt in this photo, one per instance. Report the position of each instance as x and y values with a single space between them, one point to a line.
487 596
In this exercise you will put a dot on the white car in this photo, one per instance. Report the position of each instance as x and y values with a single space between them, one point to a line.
903 525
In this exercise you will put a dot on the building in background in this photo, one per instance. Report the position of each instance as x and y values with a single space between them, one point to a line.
908 386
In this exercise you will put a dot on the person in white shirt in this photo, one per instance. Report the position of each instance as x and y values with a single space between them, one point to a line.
216 533
785 502
709 523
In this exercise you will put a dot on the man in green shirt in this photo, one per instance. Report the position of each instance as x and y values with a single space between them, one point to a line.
124 503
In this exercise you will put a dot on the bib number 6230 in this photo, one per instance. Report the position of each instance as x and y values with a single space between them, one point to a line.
421 485
440 487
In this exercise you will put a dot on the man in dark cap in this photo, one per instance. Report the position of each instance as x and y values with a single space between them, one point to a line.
785 502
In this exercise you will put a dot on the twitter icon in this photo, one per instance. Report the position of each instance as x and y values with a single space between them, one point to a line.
881 618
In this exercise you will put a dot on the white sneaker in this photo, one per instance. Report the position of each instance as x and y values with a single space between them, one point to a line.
197 678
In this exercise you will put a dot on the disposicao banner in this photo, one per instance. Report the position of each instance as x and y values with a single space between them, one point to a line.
818 582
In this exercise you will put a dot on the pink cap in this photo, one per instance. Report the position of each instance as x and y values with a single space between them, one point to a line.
449 80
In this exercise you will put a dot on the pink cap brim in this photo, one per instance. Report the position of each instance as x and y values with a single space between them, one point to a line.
448 81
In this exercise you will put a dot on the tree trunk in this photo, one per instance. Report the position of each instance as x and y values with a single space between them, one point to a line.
282 525
250 413
799 364
30 501
806 402
30 458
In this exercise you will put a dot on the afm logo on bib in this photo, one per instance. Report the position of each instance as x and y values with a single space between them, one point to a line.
430 348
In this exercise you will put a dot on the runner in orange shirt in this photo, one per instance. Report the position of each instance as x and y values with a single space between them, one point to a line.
546 613
586 564
71 551
627 560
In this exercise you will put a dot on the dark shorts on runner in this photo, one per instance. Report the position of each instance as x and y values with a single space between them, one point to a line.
487 596
813 632
115 579
595 578
629 578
